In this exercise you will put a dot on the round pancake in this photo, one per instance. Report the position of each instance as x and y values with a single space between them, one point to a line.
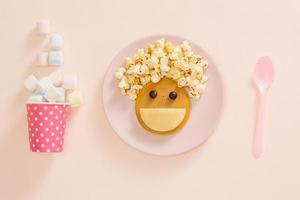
163 102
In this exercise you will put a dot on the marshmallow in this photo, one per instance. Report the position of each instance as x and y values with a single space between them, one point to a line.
61 97
44 84
37 98
56 42
55 77
43 27
52 94
70 82
31 83
75 98
42 58
55 58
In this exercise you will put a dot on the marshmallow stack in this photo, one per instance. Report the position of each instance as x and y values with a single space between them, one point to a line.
54 56
54 89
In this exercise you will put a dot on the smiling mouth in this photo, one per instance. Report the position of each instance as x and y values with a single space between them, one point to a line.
162 119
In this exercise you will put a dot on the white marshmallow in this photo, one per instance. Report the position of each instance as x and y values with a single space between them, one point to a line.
42 58
44 84
55 58
75 99
55 77
35 99
56 42
31 83
43 27
61 92
70 82
52 94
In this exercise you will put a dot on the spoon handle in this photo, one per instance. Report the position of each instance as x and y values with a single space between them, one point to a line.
260 125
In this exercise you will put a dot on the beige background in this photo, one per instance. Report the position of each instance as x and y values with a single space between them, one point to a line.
96 164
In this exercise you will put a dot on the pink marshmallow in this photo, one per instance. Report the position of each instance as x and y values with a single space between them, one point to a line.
70 82
42 58
43 27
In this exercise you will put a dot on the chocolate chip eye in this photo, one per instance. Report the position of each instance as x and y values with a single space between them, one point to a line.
173 95
153 94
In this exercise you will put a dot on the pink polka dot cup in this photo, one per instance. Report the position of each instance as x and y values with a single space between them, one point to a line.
46 126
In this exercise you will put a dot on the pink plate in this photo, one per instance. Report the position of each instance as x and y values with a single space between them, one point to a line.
120 112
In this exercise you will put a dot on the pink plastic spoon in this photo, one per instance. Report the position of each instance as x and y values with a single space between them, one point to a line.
263 77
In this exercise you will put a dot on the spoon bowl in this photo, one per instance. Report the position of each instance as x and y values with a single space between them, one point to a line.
264 74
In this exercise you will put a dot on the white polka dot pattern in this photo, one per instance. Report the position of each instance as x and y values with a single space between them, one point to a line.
46 127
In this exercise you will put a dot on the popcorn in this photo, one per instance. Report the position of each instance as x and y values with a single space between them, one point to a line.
204 79
155 77
185 46
144 80
135 69
188 79
144 69
120 73
169 47
128 62
154 60
194 95
158 52
200 88
174 74
136 87
123 84
174 56
197 68
149 48
188 53
140 52
165 68
163 60
181 82
204 64
160 43
178 51
132 96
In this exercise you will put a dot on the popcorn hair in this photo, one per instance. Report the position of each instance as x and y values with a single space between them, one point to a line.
163 60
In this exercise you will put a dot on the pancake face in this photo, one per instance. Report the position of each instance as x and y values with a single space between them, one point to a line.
162 114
